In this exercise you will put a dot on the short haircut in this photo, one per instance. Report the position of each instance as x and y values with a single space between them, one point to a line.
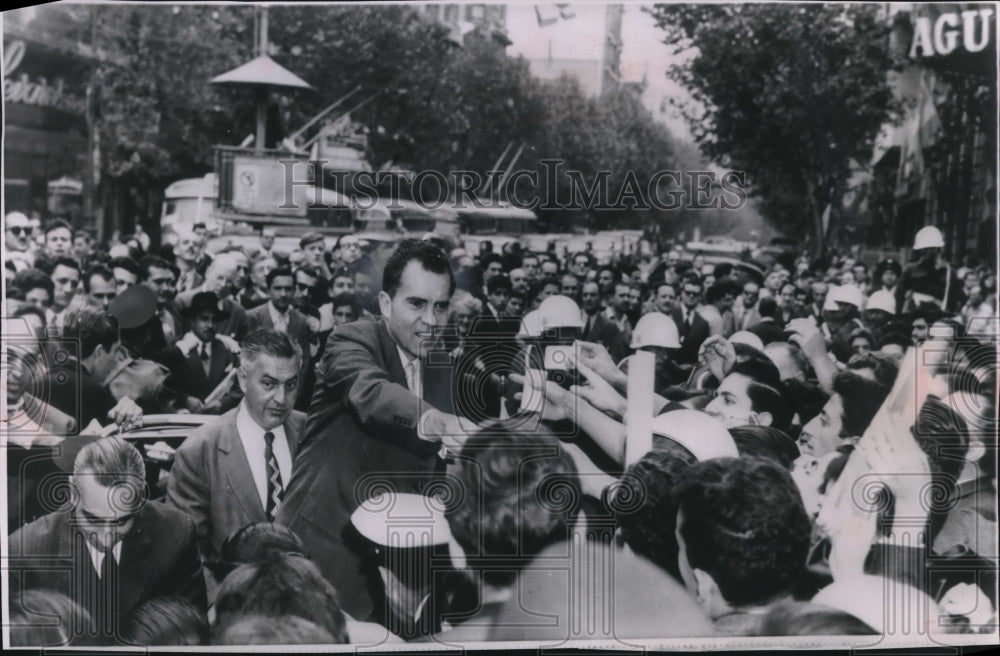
430 257
802 618
167 621
498 284
266 341
97 270
745 525
29 279
807 398
691 278
346 299
766 442
342 272
113 462
94 327
145 267
279 272
645 505
759 369
768 307
861 397
720 289
525 503
489 258
56 224
256 543
576 256
28 629
308 270
263 630
67 262
285 585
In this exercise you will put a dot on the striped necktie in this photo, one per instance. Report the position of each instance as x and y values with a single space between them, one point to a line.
274 488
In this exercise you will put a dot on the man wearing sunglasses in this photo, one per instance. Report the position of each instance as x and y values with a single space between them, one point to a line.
18 229
107 549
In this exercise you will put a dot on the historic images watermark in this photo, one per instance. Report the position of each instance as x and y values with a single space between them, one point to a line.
550 186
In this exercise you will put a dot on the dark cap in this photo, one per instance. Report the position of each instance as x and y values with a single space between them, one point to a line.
310 238
203 301
133 307
889 264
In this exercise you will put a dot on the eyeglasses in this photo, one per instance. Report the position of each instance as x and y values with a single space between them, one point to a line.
304 287
18 231
108 522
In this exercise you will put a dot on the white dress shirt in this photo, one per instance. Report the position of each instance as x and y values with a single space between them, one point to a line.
252 436
279 319
97 556
414 379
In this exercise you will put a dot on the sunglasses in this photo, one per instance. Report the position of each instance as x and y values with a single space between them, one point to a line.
304 287
18 231
108 522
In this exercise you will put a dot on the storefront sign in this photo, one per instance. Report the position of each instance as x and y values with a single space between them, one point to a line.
968 31
36 90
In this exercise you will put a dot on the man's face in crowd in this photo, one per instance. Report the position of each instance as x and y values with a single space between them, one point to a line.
304 286
492 270
822 434
464 263
773 282
580 266
860 273
800 299
690 295
548 289
58 242
83 247
591 297
221 278
242 268
66 280
38 297
203 325
420 304
634 299
188 246
102 291
270 385
666 297
23 362
788 295
620 300
125 279
570 286
819 289
861 345
162 282
847 278
363 285
341 285
889 278
515 306
99 513
343 314
519 281
751 292
550 268
350 250
605 279
314 253
499 298
262 267
808 473
267 242
780 353
530 265
673 257
732 405
281 291
920 331
18 231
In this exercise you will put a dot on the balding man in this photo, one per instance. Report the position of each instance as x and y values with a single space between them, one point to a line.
18 231
220 277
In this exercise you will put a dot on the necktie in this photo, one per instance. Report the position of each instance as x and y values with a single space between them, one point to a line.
107 599
274 488
205 358
411 377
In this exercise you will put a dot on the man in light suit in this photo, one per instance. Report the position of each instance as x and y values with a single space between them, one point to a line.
278 313
379 417
233 471
108 550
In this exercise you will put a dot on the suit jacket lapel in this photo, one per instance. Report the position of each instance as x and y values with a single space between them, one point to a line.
292 436
137 563
237 469
390 355
218 362
197 370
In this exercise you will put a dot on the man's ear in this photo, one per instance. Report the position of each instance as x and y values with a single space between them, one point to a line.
976 451
385 304
764 418
241 376
121 353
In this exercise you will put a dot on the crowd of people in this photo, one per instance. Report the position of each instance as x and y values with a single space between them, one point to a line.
420 449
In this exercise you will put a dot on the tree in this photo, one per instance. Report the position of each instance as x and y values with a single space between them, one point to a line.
792 94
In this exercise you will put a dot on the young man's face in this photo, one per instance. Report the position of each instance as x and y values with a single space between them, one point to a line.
530 266
419 304
314 253
889 278
363 285
343 314
58 242
162 282
499 298
341 285
515 306
620 301
665 299
203 325
304 286
38 297
258 274
493 269
591 297
570 286
920 331
634 298
123 279
690 295
281 291
103 291
605 279
82 246
822 434
66 280
732 405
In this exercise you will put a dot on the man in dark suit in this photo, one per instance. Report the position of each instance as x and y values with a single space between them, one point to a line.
223 474
598 328
221 278
379 418
110 550
278 313
692 326
208 362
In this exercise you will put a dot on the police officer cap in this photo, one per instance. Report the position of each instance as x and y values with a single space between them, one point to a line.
889 264
133 307
401 520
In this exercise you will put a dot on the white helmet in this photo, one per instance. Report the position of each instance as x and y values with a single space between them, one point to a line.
848 294
655 329
747 338
560 312
882 300
704 436
531 325
928 237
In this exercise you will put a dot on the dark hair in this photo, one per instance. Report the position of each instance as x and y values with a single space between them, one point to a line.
807 398
26 309
758 369
285 585
309 310
29 629
719 289
497 284
284 272
263 630
520 497
802 618
489 258
766 442
29 279
94 327
346 298
861 398
268 342
308 270
893 337
256 543
645 505
943 436
97 270
172 621
430 257
768 307
67 262
146 264
745 525
56 224
342 272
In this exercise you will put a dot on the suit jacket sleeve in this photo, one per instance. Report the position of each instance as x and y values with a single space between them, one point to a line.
187 488
351 370
188 579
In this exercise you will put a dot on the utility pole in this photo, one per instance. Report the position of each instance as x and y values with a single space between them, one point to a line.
611 58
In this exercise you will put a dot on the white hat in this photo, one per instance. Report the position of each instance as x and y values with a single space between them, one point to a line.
560 312
748 338
849 294
655 329
400 519
879 602
531 324
928 237
704 436
882 300
267 232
